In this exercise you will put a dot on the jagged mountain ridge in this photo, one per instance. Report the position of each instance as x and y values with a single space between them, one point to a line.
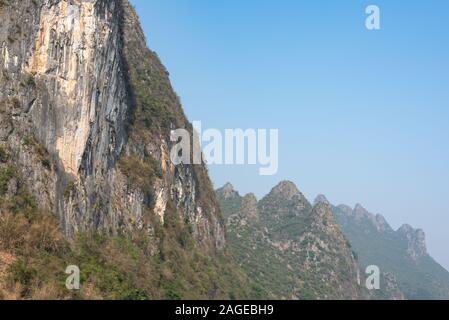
401 253
291 249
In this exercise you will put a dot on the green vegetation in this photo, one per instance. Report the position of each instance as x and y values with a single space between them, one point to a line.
20 202
111 267
41 152
4 3
4 155
15 102
164 264
140 173
156 111
284 253
156 106
151 109
153 261
6 174
29 81
291 220
418 279
69 187
229 205
11 103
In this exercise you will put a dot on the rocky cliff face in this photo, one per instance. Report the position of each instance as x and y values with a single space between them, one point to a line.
416 241
85 104
390 288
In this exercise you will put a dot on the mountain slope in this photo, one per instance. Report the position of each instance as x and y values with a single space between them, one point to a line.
86 111
291 249
401 253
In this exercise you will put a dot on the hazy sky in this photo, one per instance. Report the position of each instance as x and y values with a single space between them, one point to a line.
363 116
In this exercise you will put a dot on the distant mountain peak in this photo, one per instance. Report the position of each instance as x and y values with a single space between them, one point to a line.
286 189
228 187
360 216
382 224
284 199
249 207
360 209
283 237
405 229
346 210
321 212
227 191
321 199
416 241
250 197
360 213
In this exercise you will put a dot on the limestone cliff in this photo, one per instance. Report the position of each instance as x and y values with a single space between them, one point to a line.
84 105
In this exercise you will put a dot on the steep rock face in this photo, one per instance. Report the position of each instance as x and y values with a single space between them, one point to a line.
321 198
75 120
76 58
391 287
185 189
249 207
416 241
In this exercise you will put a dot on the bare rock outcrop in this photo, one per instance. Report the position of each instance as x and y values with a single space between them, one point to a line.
86 110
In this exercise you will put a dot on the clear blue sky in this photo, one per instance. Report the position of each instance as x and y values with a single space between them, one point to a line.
363 116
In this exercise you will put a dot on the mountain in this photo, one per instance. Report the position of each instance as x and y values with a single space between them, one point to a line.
400 253
86 114
289 248
86 111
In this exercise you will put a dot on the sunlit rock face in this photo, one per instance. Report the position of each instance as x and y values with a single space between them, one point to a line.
76 102
69 74
76 55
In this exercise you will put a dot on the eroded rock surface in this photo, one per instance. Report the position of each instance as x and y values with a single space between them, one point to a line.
76 121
